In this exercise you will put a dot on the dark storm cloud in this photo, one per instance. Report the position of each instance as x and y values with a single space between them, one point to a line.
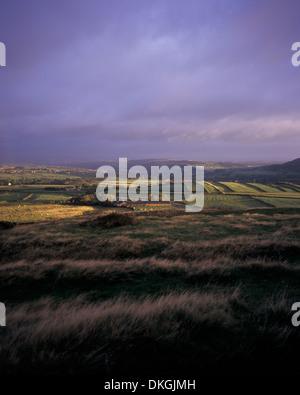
86 79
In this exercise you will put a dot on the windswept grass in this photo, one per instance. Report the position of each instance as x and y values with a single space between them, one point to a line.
236 248
23 280
72 337
181 333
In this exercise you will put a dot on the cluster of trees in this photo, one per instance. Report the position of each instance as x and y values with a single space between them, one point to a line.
88 199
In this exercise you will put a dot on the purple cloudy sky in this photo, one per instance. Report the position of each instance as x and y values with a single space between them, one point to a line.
88 80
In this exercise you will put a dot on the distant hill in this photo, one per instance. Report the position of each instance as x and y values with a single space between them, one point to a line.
222 171
214 171
292 166
289 171
147 163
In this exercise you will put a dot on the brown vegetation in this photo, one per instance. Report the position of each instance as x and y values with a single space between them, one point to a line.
107 298
74 336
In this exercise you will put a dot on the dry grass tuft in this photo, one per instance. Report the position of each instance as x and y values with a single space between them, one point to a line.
71 336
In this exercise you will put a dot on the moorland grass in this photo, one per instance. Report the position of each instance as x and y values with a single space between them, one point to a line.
172 294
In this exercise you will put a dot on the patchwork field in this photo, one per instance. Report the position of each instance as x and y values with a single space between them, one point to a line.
217 194
233 201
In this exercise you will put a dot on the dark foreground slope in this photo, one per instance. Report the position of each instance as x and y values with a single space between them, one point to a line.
171 294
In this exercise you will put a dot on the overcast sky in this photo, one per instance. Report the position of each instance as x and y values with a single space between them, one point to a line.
88 80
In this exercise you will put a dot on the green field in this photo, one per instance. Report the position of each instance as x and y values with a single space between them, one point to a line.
265 188
251 195
35 176
280 201
33 197
237 187
222 188
288 187
230 201
210 187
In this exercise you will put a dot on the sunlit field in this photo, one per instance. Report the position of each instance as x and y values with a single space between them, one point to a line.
39 212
